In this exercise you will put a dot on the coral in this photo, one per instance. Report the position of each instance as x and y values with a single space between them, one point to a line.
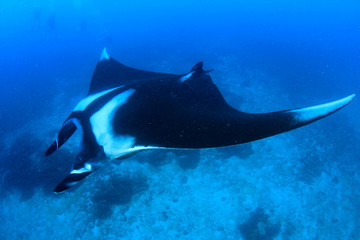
188 159
116 191
258 227
24 167
311 164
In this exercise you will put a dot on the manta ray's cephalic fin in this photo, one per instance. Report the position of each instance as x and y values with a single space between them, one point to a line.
64 134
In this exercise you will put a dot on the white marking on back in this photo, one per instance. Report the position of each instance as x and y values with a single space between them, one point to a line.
102 125
187 76
89 99
309 113
104 55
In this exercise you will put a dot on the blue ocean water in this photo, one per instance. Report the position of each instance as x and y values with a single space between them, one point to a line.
267 56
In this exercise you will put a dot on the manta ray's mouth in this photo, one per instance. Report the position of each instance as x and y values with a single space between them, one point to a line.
129 110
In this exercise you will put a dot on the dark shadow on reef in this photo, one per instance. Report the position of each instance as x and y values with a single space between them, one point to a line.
259 227
186 159
115 191
190 159
242 151
24 169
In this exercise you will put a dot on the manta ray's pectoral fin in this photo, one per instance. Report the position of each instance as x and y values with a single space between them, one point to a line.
270 124
64 134
304 116
86 162
110 73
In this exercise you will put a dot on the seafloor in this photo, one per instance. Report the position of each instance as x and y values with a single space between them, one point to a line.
299 185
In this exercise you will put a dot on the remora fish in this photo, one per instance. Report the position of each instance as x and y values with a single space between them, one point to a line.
129 110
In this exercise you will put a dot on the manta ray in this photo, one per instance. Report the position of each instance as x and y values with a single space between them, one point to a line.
128 110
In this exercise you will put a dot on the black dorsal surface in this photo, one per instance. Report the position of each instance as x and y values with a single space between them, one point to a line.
109 73
177 114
